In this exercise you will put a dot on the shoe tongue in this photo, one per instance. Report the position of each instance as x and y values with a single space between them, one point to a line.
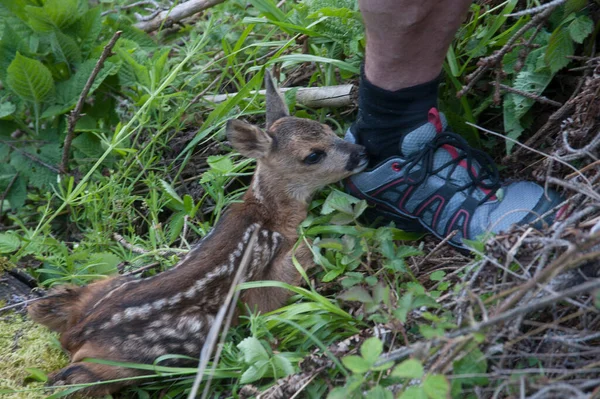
416 140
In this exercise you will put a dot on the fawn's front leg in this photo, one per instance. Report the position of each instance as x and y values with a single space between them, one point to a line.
91 373
271 298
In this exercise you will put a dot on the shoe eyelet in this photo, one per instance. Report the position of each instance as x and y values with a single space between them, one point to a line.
396 167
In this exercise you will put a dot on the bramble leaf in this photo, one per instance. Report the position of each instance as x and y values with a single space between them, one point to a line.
560 47
29 79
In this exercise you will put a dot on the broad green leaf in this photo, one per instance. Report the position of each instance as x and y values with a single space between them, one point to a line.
29 79
104 263
358 294
436 386
171 193
283 366
54 14
580 28
572 6
473 363
410 368
559 48
68 92
220 163
6 109
9 243
36 374
414 392
18 193
88 29
338 201
64 48
379 392
253 350
371 349
356 364
255 372
437 275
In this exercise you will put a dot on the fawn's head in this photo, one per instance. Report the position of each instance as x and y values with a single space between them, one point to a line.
295 156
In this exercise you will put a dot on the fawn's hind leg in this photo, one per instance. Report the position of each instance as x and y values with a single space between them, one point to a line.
89 373
55 310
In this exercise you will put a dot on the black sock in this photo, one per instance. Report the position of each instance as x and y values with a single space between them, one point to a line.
385 116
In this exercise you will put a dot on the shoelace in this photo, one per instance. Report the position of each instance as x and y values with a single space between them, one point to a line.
488 177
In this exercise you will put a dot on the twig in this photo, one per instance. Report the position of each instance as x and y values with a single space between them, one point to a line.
538 98
521 310
128 6
313 97
76 113
169 17
135 249
5 193
558 115
495 59
32 157
141 269
553 4
213 334
532 150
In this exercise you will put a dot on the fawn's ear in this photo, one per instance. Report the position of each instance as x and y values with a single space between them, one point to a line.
251 141
276 107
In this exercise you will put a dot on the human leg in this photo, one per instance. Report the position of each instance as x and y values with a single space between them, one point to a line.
422 176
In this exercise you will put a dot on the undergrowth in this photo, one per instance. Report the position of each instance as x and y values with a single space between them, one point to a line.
150 174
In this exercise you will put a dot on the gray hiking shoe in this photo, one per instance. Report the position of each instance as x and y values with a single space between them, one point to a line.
440 184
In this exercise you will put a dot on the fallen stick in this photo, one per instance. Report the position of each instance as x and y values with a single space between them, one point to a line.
312 97
168 17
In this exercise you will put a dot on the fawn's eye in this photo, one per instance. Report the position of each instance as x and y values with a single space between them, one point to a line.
314 157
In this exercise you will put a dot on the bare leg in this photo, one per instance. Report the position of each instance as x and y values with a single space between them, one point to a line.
408 40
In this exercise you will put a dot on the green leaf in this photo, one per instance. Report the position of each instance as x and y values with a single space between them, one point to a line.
559 48
473 363
356 364
358 294
282 365
36 374
54 14
414 392
437 275
68 92
255 372
64 48
220 163
9 243
436 386
371 349
379 392
171 193
104 263
88 29
338 201
6 109
572 6
580 28
29 79
17 194
410 368
253 350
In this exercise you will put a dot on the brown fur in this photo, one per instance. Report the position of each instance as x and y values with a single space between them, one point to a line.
125 319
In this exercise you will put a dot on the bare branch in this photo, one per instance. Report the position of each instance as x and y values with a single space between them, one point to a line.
169 17
76 113
313 97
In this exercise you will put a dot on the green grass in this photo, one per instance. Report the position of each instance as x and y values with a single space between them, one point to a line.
151 165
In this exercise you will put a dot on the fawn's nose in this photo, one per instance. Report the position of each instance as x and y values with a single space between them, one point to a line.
358 160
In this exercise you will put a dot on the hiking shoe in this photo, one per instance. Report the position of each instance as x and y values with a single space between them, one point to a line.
440 184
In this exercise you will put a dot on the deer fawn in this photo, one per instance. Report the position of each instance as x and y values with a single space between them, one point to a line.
138 320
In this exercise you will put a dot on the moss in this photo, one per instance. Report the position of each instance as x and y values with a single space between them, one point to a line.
25 344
